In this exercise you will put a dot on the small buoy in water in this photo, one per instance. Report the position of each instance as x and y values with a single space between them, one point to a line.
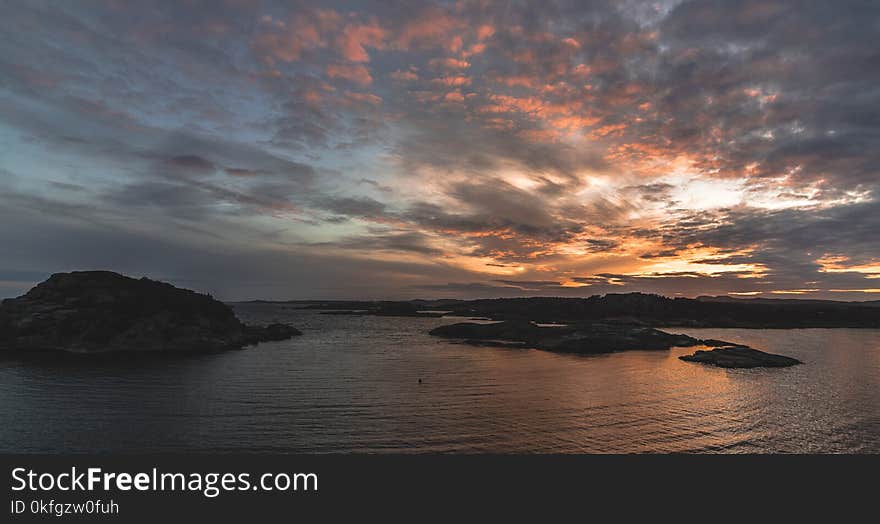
420 381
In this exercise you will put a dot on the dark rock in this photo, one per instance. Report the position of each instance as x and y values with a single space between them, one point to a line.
101 311
573 338
738 356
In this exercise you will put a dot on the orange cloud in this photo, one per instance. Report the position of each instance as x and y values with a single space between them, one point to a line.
574 122
525 57
516 80
313 97
355 73
510 104
540 135
355 38
842 264
499 123
485 31
366 98
455 44
474 49
452 81
286 41
531 105
432 28
609 130
404 76
449 63
581 70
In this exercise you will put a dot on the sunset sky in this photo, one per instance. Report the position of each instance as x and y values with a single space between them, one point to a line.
259 149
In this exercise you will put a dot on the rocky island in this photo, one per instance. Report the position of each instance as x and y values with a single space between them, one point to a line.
587 338
102 311
596 338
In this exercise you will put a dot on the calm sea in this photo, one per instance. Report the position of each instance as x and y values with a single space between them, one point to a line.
351 384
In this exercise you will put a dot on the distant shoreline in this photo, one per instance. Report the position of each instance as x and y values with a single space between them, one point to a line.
629 308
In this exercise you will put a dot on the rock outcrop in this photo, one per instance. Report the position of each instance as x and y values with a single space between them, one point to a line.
102 311
738 356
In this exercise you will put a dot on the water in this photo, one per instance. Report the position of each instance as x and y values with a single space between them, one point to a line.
351 384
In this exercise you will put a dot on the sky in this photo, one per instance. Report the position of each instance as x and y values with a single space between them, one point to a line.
368 150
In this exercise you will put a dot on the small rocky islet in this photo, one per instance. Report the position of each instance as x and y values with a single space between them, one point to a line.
738 356
598 338
102 311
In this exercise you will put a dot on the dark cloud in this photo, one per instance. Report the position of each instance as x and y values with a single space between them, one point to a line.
393 241
363 207
468 289
237 171
191 164
600 245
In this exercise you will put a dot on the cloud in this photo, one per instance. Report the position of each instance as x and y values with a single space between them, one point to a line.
355 39
431 27
679 147
304 31
404 76
356 73
449 63
192 164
